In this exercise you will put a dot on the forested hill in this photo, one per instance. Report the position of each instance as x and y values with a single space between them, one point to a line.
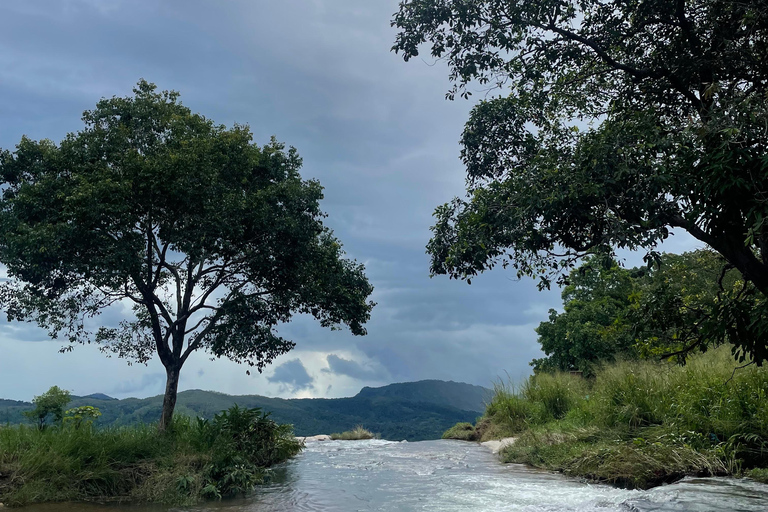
410 410
449 393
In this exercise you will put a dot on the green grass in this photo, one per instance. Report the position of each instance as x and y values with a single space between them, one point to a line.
638 423
193 461
358 433
758 474
461 431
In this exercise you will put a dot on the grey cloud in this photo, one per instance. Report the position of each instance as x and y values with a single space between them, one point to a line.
23 332
351 368
149 383
293 375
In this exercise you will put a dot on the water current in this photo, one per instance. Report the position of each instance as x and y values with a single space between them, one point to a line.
447 476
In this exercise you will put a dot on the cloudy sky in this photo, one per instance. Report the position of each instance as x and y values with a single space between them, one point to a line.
376 132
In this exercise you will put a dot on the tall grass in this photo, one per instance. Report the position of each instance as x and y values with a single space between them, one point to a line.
356 434
196 459
554 394
637 423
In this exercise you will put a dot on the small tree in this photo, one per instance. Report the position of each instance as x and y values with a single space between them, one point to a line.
50 403
211 239
83 415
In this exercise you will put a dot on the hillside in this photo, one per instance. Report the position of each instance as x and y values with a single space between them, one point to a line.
411 410
449 393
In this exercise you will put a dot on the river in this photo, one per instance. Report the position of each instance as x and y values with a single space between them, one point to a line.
446 476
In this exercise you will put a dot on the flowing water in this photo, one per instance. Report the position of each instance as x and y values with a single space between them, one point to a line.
445 476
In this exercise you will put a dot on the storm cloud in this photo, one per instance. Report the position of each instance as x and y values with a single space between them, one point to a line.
351 368
293 375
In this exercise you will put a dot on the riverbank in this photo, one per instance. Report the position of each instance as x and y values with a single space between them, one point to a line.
637 424
195 460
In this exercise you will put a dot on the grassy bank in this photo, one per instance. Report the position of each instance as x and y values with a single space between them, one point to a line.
195 460
358 433
637 424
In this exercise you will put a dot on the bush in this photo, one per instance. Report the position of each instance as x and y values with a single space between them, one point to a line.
462 432
357 434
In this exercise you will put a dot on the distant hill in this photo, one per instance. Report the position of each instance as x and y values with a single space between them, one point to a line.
99 396
411 410
452 394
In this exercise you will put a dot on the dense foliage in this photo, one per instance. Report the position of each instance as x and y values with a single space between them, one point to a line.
193 460
49 407
664 310
639 423
618 121
213 240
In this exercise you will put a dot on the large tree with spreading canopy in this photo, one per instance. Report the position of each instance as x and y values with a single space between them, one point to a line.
212 240
618 122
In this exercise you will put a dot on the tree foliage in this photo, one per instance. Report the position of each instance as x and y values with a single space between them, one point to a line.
619 121
596 323
212 240
663 311
49 404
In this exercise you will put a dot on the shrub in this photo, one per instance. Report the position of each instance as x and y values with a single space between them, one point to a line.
358 433
462 432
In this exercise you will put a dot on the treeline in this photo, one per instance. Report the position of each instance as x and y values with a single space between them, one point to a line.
677 305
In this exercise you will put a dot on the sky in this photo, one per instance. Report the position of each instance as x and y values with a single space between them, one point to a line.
377 132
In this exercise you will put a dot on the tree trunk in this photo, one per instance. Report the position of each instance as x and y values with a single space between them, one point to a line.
169 401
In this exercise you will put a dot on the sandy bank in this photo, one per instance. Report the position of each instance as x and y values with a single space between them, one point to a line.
498 444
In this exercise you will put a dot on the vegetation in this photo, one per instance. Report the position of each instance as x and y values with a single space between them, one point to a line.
414 410
617 122
461 431
191 461
638 423
611 312
356 434
212 239
50 403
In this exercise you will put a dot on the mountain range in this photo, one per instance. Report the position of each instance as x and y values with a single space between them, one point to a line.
409 410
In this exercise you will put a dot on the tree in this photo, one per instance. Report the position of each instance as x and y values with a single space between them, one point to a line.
685 303
50 403
620 120
663 311
596 323
83 415
212 240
